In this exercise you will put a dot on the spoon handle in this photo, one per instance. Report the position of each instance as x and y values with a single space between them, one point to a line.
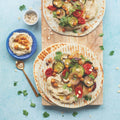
36 94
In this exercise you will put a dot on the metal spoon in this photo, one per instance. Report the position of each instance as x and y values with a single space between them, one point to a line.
20 66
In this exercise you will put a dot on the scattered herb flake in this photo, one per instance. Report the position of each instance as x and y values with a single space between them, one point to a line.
75 97
101 34
91 76
19 92
58 53
74 114
25 112
45 115
54 14
64 86
82 57
39 94
25 92
101 47
62 115
32 104
87 97
74 31
111 53
70 89
22 7
15 83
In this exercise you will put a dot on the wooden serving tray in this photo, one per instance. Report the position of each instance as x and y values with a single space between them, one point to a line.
92 40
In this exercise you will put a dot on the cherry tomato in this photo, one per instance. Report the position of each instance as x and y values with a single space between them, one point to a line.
49 72
64 72
87 67
81 20
78 13
51 7
79 91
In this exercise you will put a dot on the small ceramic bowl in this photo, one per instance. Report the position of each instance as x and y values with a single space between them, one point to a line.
31 17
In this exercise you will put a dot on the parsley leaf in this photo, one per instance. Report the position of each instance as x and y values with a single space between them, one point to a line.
87 97
101 34
63 21
101 47
58 56
74 31
82 57
25 112
75 113
64 86
111 53
32 104
25 92
45 115
54 14
22 7
19 92
91 76
15 83
76 98
70 89
39 94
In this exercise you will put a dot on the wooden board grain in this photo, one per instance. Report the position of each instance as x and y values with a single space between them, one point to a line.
92 40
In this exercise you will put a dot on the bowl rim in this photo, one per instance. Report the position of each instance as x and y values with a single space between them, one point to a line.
30 10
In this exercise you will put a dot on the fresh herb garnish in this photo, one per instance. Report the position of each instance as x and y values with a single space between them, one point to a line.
64 86
71 11
76 98
19 92
101 47
87 60
74 114
101 34
62 115
63 21
111 53
87 97
54 14
25 92
66 75
91 76
22 7
70 89
39 94
75 31
58 56
15 83
82 57
25 112
45 115
32 104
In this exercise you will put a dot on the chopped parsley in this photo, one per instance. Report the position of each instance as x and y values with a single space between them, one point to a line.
15 83
32 104
111 53
101 47
25 112
91 76
25 92
75 31
101 34
82 57
64 86
58 56
45 115
22 7
39 94
76 98
74 114
87 97
63 21
62 115
54 14
70 89
19 92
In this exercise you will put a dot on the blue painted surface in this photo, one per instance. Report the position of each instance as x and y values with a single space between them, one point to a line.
11 105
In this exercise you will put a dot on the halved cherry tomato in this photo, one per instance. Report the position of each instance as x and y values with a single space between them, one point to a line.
87 67
78 13
49 72
79 91
81 20
51 7
64 72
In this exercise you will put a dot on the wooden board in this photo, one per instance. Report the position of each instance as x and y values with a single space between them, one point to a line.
92 40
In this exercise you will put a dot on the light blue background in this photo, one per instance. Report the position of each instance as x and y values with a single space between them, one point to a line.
11 104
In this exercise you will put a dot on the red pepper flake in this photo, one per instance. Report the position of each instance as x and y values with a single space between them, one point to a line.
52 8
49 72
